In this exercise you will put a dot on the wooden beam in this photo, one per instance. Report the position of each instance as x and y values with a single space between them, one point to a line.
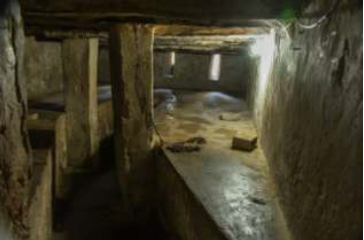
188 30
131 59
204 44
80 75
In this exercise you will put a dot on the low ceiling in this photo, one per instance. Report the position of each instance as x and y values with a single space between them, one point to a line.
98 15
177 38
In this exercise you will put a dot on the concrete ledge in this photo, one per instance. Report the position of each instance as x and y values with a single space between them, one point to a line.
40 215
182 212
215 194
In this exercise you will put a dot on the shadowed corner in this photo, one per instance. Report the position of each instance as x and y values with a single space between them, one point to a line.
4 6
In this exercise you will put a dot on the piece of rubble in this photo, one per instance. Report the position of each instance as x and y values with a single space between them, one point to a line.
197 140
183 147
190 145
244 142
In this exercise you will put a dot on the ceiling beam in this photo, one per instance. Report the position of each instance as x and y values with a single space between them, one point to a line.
99 15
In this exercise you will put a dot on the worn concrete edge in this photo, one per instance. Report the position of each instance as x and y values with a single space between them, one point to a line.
199 201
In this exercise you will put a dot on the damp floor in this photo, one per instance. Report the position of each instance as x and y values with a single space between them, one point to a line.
233 186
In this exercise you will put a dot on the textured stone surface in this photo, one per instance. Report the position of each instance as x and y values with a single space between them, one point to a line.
131 59
14 147
311 128
40 213
42 67
191 72
80 76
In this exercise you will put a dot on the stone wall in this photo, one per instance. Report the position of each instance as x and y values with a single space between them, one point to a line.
14 146
311 125
43 67
191 71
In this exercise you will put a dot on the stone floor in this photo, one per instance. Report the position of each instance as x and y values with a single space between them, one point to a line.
233 186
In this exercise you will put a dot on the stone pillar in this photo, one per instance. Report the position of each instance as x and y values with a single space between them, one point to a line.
131 61
80 76
15 161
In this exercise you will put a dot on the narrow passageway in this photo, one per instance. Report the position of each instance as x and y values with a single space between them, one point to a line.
232 186
181 120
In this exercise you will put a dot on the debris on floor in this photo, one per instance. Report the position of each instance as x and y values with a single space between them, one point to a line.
197 140
230 116
244 142
190 145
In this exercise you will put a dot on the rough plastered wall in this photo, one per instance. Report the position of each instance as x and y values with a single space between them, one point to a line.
14 146
311 126
43 67
191 71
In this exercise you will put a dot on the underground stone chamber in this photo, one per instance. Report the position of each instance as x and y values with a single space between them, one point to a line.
181 120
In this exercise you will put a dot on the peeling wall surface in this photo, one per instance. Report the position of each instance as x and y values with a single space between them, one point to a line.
191 71
14 146
43 67
311 128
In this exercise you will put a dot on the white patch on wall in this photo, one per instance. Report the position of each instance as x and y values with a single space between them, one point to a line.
171 63
263 48
215 67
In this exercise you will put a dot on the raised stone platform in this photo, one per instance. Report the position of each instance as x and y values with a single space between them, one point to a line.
216 192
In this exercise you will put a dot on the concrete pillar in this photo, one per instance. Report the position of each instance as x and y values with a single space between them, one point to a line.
80 76
131 60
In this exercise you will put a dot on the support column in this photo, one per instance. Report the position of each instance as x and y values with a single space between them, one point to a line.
80 76
131 60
